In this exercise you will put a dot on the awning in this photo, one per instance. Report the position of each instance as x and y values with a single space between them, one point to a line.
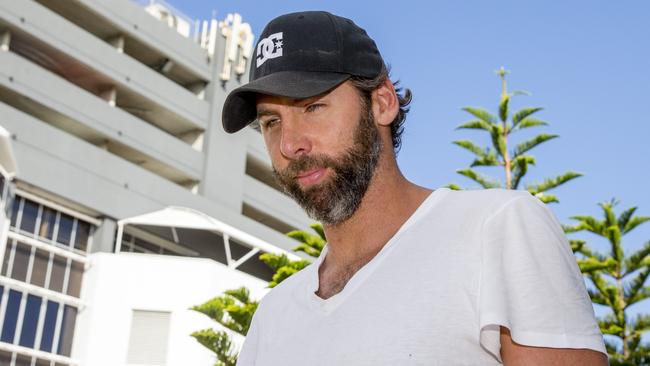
194 233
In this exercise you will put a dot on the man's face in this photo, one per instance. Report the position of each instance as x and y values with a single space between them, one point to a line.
324 150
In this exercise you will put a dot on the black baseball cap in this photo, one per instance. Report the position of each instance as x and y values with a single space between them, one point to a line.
301 55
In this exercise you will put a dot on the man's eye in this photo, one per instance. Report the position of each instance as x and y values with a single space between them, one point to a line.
314 107
270 123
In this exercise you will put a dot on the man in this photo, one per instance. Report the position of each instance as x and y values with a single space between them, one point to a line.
409 276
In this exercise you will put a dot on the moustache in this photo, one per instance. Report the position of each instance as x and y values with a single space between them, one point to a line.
302 164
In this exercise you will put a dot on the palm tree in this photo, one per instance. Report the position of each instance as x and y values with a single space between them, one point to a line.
618 281
515 162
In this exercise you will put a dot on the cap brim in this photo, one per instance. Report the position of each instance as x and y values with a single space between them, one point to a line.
239 108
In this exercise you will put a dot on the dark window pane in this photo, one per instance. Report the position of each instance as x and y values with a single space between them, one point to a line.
30 321
2 186
5 358
81 238
48 219
39 269
58 273
41 362
23 360
11 317
21 260
65 229
74 281
14 211
48 326
28 221
67 330
5 260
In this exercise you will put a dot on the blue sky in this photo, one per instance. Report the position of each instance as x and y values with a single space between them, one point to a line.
585 62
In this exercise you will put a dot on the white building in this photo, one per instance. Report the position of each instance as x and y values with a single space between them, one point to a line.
123 201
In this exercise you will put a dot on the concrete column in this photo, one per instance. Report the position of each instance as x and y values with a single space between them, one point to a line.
225 154
104 236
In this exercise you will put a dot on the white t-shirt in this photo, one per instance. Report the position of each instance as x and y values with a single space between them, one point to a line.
465 263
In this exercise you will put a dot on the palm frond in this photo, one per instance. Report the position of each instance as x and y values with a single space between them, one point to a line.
531 143
524 113
550 183
527 123
633 287
634 222
470 146
481 114
503 108
475 124
484 181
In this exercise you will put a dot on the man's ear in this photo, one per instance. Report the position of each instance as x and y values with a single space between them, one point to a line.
385 104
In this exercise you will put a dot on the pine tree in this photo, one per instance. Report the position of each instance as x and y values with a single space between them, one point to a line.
516 161
234 310
619 281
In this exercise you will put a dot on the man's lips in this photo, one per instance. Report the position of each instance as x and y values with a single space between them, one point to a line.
311 176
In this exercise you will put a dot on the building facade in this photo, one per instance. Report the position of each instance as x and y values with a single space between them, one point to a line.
123 202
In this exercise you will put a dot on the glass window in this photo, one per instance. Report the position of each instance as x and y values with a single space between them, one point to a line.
15 207
5 260
41 362
30 321
67 330
21 261
2 186
48 219
11 317
81 238
22 360
5 358
30 212
39 268
65 229
49 324
58 273
74 281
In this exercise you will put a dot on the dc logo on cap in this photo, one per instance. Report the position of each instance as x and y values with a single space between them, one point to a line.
269 47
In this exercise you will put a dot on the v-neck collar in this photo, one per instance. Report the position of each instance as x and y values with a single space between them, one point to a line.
328 305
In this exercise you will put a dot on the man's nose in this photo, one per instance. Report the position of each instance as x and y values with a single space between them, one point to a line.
294 141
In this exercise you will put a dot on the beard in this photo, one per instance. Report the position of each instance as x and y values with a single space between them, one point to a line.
338 197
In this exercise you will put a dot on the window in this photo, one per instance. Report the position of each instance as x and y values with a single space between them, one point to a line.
21 261
67 330
30 321
148 339
57 275
11 316
48 220
43 322
47 337
74 280
65 229
39 267
28 220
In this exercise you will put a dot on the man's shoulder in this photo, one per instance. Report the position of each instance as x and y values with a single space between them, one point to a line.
490 199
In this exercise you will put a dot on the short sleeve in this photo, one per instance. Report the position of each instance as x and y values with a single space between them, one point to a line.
530 281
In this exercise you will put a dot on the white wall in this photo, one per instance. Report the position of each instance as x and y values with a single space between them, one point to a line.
115 284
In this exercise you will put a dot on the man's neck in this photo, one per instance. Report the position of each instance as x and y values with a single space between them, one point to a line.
389 201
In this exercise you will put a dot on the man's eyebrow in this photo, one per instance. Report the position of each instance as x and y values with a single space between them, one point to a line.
265 112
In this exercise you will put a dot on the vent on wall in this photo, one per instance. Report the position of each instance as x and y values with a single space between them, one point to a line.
148 338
